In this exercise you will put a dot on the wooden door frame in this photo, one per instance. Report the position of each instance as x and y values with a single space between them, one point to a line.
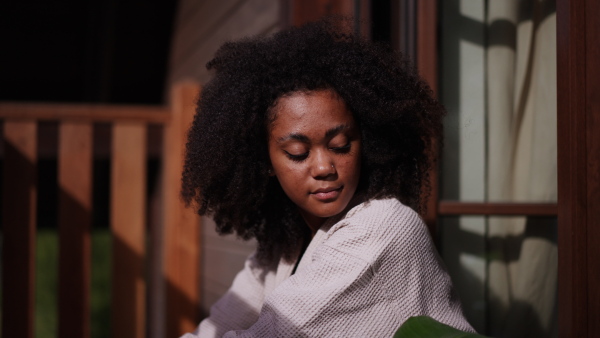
578 76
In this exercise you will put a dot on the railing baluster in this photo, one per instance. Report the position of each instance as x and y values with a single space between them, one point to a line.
74 221
18 228
181 225
128 202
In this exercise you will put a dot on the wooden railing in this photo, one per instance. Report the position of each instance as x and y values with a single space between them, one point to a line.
181 227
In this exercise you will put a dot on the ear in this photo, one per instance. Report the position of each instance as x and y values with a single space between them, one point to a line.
270 171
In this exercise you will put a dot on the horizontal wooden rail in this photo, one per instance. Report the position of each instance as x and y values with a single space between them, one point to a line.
84 112
453 208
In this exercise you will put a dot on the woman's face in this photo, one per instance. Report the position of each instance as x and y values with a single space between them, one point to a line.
315 150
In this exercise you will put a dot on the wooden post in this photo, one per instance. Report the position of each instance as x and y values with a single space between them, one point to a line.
427 39
578 71
181 224
18 242
128 225
592 46
427 64
75 204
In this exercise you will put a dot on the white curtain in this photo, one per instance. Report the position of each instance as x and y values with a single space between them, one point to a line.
521 162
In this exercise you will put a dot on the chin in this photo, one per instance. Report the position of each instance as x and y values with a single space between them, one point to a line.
331 211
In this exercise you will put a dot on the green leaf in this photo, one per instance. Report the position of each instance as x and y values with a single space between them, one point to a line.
427 327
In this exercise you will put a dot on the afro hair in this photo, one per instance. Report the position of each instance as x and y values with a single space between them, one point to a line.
226 164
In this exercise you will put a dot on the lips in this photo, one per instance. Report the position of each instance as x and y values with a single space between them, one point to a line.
325 194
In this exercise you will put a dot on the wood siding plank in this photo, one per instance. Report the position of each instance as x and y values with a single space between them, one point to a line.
181 225
199 20
246 19
128 225
74 215
304 11
18 228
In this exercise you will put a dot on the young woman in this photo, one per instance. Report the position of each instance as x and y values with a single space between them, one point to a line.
318 144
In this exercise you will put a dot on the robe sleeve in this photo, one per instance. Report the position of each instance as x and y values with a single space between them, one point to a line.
239 307
325 299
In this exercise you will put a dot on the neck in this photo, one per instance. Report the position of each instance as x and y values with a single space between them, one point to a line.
313 222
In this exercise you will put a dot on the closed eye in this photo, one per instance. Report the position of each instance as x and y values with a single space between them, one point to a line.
297 157
341 150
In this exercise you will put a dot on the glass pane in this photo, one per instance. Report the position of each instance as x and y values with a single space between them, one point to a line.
498 82
505 272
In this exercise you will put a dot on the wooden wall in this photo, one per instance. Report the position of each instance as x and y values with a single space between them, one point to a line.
201 27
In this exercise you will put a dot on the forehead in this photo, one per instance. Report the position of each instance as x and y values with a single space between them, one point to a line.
311 111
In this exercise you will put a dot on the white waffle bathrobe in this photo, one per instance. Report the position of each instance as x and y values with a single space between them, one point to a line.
363 274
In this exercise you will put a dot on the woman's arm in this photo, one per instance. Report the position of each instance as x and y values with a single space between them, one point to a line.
326 298
239 308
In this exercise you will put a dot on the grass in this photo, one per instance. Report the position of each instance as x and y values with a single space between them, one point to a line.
46 314
46 284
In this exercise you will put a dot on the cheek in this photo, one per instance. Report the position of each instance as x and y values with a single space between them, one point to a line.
288 175
277 162
284 167
353 171
352 167
291 183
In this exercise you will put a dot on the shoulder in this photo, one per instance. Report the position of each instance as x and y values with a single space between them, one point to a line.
387 218
377 226
388 210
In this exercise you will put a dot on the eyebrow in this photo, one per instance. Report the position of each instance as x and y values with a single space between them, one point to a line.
334 131
295 136
303 138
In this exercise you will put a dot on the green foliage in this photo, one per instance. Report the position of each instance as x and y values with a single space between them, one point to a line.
427 327
101 277
46 301
46 284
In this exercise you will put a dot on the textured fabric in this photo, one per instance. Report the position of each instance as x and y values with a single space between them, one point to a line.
363 274
521 111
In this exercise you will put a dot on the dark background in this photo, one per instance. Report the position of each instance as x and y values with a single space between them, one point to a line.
85 50
80 51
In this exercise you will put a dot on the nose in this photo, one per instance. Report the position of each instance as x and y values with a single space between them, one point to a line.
323 165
